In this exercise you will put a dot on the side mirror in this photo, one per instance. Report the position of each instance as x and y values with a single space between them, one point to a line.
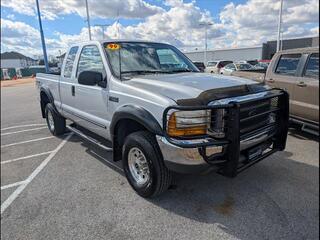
90 78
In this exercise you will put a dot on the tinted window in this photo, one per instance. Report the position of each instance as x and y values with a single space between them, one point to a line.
69 62
312 68
224 63
244 66
288 64
90 60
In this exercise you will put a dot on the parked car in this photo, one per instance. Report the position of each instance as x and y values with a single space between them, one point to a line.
296 71
251 62
200 66
215 66
261 65
231 67
148 104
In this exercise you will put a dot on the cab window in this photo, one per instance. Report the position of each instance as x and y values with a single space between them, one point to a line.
69 62
90 60
312 68
288 64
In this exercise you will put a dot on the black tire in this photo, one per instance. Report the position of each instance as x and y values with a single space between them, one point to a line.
160 176
59 122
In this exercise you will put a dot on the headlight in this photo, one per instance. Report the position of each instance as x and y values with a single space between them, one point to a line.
218 123
188 123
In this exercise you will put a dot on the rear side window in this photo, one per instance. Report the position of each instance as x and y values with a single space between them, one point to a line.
69 62
90 60
312 68
288 64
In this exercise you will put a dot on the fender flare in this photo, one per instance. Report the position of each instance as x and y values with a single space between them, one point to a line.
138 114
48 93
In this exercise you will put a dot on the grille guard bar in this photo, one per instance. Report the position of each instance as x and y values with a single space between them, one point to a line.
231 141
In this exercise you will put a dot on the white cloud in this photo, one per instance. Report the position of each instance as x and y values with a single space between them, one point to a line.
248 24
256 21
52 9
23 38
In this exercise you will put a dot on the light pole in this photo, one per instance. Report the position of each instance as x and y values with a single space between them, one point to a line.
45 58
102 27
88 20
279 25
206 24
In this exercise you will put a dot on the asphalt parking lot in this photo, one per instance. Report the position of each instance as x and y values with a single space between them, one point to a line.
64 188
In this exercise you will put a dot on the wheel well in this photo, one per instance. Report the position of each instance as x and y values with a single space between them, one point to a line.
122 129
44 100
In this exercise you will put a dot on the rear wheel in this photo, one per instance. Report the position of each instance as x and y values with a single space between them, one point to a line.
56 123
143 165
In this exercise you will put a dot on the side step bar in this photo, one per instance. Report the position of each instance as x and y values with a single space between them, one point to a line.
88 138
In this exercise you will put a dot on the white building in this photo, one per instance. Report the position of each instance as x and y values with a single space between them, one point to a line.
16 60
232 54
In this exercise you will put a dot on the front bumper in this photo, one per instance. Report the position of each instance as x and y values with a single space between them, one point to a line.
183 160
236 151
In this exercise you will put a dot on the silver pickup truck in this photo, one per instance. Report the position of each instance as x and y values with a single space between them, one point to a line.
160 114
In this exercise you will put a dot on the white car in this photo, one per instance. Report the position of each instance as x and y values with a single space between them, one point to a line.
231 67
215 66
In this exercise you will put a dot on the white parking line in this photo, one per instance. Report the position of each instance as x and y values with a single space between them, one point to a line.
12 185
27 130
32 140
20 126
16 193
26 157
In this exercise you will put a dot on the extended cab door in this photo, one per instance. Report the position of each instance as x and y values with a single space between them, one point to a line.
306 91
92 101
284 74
67 84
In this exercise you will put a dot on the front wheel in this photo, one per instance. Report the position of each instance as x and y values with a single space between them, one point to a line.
144 166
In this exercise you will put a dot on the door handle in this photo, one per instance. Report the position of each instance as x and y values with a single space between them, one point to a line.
73 90
270 80
301 84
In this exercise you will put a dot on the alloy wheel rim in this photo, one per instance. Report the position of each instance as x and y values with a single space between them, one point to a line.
50 121
138 166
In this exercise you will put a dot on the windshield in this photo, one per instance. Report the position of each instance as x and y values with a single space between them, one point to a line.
243 66
146 58
211 64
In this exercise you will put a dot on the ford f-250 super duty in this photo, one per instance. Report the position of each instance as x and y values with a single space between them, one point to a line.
160 114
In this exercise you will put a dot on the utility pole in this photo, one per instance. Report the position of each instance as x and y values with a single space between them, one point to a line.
206 24
279 25
45 58
118 24
88 20
102 28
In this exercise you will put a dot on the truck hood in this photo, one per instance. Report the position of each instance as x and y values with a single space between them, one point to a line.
186 85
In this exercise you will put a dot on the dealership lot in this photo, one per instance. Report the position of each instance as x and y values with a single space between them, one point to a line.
64 188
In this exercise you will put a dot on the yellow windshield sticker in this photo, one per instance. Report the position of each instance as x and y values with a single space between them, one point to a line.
113 46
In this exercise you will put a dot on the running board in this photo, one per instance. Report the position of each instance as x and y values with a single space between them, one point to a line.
88 138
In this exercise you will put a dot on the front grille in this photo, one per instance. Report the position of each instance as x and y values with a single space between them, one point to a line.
257 114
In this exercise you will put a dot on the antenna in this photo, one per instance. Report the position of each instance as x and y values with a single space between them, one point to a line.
118 24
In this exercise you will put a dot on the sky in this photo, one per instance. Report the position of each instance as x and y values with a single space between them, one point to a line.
238 23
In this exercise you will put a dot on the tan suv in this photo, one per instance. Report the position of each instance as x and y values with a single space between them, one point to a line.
297 71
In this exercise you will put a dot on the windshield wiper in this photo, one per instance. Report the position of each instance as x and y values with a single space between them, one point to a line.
180 70
143 71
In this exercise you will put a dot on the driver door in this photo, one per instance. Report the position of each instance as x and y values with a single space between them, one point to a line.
92 101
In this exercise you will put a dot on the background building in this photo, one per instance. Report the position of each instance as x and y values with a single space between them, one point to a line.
16 60
266 51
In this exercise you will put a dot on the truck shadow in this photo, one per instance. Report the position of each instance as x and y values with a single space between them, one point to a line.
267 201
272 194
